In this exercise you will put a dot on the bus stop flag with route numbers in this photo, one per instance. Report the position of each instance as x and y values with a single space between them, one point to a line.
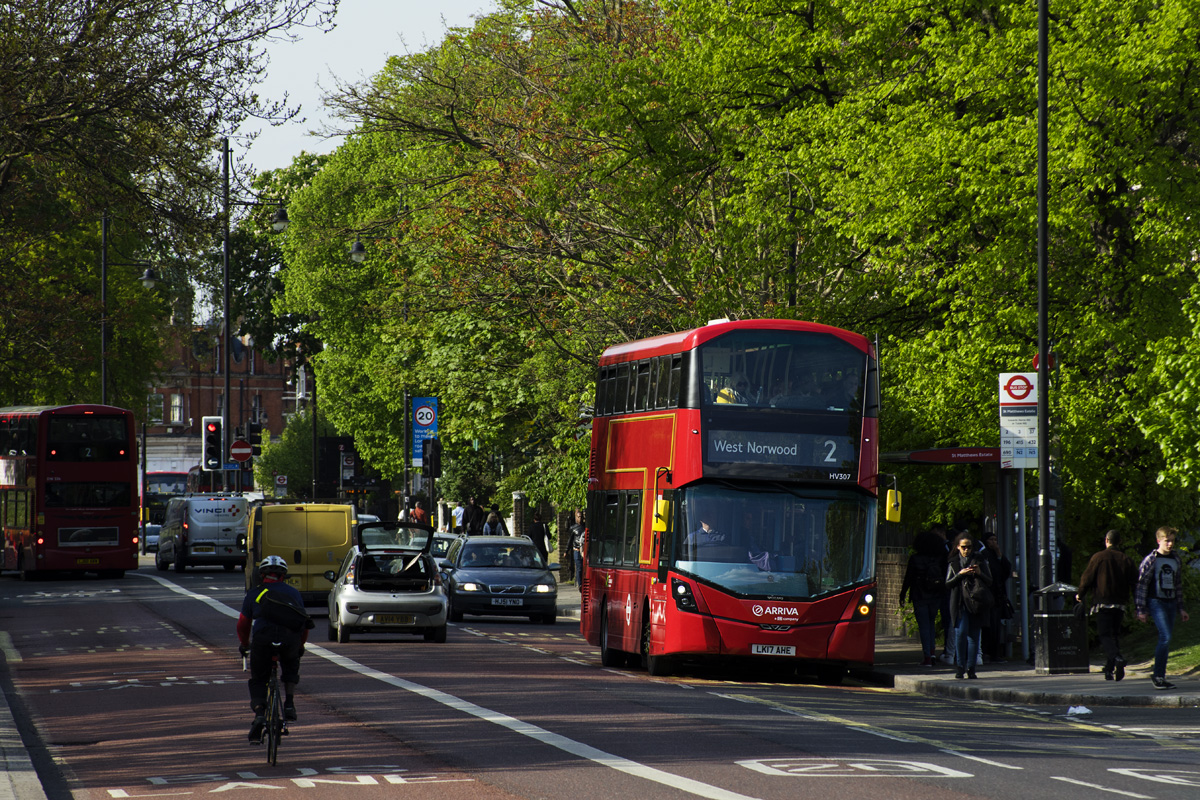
1018 420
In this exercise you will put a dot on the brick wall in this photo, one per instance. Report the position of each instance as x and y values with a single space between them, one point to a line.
889 572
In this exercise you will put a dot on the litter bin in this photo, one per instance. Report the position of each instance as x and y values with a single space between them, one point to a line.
1059 637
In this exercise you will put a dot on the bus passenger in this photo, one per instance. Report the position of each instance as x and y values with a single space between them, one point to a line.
737 391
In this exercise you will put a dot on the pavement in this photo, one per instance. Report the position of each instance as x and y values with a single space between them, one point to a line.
898 665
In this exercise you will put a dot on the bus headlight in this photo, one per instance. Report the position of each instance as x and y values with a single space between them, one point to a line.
682 592
865 606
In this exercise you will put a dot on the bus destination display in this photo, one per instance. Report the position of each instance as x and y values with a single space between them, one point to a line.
822 451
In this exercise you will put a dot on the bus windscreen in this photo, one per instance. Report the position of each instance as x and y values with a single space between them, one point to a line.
87 438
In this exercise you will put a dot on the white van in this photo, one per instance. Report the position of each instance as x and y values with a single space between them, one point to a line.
202 530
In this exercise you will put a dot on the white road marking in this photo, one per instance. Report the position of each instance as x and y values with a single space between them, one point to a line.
618 763
981 760
6 647
1098 787
850 768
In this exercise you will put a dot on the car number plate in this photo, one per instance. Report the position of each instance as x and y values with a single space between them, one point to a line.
507 601
203 548
773 649
394 619
83 562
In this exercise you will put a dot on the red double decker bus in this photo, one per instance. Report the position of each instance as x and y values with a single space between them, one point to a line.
732 498
68 489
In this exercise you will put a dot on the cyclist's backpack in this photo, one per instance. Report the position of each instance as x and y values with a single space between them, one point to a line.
282 610
931 575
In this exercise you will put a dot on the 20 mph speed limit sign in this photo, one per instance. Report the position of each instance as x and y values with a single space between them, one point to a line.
424 425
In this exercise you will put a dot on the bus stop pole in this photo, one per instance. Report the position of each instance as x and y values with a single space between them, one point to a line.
1023 549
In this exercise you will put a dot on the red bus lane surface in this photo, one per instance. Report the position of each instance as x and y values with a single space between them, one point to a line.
135 690
155 706
131 703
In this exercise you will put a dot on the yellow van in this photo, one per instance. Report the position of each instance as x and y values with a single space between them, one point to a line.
312 537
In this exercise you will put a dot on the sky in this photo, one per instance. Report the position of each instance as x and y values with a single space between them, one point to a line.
367 32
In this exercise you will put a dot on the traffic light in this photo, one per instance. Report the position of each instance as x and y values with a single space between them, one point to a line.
431 458
254 436
212 457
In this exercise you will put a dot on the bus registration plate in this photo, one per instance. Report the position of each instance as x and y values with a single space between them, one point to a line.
86 562
507 601
773 649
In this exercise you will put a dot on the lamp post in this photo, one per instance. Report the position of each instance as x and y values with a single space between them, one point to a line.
358 254
1045 565
279 223
104 264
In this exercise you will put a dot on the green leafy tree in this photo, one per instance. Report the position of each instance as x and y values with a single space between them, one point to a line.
113 108
292 455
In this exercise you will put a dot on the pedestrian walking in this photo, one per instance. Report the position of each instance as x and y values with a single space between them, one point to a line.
540 533
473 518
457 512
968 581
1109 577
576 546
942 532
493 527
925 584
992 639
1159 597
503 525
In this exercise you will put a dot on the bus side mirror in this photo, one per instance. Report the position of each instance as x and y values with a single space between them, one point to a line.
662 535
662 515
892 512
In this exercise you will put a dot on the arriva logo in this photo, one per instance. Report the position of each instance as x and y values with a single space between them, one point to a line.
791 611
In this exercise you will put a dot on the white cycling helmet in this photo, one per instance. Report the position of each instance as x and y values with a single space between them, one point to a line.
273 564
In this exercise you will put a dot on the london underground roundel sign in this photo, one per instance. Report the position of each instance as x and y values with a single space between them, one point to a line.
1018 388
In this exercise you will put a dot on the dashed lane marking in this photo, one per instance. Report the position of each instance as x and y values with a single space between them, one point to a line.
567 745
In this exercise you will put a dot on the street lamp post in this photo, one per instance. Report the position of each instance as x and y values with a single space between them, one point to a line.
104 264
279 223
358 254
104 310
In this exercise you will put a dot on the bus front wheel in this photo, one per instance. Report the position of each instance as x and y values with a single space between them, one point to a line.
658 666
609 656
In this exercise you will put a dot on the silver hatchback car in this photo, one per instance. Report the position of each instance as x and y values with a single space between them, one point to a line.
388 583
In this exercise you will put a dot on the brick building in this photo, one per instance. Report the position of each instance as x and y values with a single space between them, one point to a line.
191 386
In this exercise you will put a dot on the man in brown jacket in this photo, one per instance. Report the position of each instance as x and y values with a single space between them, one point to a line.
1110 577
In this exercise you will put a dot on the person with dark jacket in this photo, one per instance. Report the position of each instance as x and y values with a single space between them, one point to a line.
992 639
575 545
473 518
966 571
540 533
1109 577
925 583
273 623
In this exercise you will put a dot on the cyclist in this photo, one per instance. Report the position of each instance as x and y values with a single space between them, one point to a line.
272 622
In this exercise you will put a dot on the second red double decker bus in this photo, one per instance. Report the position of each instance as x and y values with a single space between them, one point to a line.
732 498
68 489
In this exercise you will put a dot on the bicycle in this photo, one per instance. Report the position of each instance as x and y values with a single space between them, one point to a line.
276 725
